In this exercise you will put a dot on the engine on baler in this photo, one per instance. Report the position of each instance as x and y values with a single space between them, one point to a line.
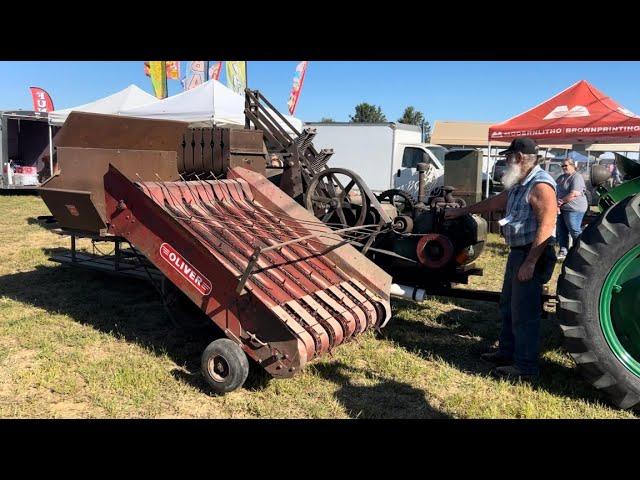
409 238
430 251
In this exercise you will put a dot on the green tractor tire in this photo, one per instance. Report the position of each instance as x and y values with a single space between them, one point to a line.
599 302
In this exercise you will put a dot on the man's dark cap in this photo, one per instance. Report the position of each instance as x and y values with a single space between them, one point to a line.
523 145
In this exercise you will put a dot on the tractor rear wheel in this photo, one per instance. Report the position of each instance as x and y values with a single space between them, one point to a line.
599 298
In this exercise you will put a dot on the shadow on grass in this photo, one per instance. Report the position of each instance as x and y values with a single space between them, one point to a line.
459 336
500 248
131 310
124 308
385 399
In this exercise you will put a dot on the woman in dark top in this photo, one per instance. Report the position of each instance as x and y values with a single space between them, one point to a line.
572 205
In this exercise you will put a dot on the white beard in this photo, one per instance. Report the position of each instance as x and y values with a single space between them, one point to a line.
512 175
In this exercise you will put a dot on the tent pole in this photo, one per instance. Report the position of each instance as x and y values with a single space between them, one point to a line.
50 151
488 170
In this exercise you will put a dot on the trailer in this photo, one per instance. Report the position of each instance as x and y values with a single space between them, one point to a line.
24 149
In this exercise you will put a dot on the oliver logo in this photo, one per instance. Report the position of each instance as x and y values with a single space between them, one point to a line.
188 271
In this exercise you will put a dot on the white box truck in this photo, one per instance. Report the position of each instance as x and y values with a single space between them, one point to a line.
385 155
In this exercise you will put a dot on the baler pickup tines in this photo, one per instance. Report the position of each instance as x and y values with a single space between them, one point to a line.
300 294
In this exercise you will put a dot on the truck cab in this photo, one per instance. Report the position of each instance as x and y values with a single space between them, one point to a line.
406 161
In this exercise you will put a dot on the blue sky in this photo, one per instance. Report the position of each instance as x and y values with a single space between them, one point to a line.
481 91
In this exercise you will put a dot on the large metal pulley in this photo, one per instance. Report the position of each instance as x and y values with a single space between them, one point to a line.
337 196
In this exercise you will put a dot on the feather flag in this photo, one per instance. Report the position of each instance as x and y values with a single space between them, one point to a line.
237 76
197 73
298 80
41 100
214 71
158 72
173 69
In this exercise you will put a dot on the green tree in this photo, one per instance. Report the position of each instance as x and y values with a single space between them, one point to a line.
366 113
426 129
412 116
327 120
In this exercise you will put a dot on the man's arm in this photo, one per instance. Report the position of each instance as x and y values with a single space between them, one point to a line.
491 204
543 202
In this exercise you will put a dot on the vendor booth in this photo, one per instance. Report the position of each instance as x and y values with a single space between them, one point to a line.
581 114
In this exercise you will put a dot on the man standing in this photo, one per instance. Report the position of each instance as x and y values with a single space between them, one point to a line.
572 204
529 225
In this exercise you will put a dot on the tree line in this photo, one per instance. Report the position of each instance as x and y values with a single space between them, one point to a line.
367 113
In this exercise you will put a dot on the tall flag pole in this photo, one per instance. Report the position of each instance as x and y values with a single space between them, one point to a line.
197 73
158 73
298 80
42 103
237 76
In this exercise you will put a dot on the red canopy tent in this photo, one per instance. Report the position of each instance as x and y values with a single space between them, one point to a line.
579 114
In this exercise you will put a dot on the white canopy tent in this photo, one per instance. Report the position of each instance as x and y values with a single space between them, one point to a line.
125 99
208 104
130 97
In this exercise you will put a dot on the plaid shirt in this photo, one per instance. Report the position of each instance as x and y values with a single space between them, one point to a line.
522 223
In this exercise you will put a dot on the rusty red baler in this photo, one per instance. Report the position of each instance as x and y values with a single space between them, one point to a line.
282 286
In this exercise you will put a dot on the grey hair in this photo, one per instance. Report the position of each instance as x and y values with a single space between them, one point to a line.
570 161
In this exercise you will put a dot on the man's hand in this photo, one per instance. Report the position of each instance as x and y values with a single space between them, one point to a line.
525 273
452 213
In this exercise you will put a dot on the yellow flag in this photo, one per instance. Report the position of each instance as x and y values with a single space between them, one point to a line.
237 76
158 72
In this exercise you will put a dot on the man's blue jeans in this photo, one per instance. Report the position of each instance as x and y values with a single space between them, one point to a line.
569 223
521 309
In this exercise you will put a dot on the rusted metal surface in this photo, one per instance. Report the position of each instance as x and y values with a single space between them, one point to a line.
214 150
302 300
87 144
94 130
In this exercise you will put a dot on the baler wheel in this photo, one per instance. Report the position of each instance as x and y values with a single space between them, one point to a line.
599 294
224 365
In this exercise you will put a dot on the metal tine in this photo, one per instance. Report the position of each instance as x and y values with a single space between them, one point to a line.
162 185
142 183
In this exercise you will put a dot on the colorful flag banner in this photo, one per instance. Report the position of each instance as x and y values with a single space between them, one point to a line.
197 73
298 80
158 71
237 76
214 71
41 100
173 70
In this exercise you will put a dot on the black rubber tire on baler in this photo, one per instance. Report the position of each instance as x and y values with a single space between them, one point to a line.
235 365
589 262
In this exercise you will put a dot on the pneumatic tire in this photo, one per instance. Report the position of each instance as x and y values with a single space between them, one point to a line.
224 366
586 275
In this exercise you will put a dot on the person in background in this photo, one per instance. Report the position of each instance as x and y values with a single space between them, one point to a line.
572 205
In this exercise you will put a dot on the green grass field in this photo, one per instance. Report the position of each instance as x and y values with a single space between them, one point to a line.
81 344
